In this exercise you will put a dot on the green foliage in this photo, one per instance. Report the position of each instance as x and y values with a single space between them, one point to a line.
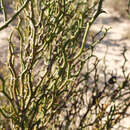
47 89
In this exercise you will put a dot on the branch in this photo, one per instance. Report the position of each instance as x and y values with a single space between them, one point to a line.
14 16
98 12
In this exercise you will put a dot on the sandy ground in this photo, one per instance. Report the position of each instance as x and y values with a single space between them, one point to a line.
115 41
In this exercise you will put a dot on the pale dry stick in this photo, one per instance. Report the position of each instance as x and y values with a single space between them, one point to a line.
5 25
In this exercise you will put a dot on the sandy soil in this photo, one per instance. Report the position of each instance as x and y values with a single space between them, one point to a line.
115 40
113 43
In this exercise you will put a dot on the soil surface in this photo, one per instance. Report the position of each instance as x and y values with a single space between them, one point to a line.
117 38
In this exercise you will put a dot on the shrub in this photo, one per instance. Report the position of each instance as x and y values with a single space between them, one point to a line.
45 88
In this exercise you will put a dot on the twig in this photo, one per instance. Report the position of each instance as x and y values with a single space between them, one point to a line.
5 25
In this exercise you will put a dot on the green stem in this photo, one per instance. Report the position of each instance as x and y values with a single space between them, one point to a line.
14 16
3 10
99 11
